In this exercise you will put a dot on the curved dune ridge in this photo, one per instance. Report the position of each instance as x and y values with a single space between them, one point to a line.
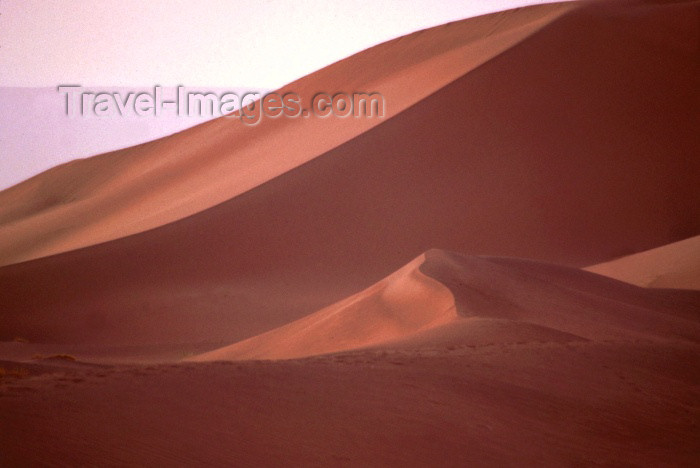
402 304
575 146
443 298
89 201
675 266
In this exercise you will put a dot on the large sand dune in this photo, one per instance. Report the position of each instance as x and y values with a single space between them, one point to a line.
575 146
120 193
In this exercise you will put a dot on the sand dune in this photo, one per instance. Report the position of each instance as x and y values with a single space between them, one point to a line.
563 134
671 266
456 391
442 297
540 153
94 200
402 304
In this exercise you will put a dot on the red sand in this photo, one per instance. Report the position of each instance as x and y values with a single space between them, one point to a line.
576 145
444 298
571 404
496 383
556 165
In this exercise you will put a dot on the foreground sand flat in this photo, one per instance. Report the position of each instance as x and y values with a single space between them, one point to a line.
531 404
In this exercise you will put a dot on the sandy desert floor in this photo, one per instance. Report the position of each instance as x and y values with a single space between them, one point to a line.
609 403
504 272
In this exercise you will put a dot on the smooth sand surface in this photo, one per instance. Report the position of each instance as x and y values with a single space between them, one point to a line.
564 164
94 200
575 145
671 266
617 403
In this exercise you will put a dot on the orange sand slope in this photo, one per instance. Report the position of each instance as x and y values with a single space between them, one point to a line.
113 195
445 297
402 304
671 266
548 151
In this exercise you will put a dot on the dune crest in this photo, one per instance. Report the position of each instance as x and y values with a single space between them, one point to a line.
443 298
404 303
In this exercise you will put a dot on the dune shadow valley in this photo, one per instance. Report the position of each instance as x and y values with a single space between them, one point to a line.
503 270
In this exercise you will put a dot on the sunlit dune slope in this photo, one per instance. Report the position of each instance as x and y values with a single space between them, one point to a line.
671 266
402 304
443 298
94 200
576 146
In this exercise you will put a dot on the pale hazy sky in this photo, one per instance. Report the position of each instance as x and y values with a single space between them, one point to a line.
263 43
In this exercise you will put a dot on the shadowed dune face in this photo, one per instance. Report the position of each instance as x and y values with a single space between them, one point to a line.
577 145
671 266
443 298
565 299
128 191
